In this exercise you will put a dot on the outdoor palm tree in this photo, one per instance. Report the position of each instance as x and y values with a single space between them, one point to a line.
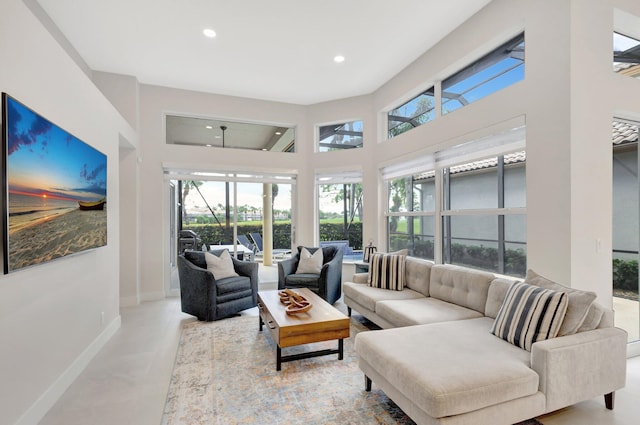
187 185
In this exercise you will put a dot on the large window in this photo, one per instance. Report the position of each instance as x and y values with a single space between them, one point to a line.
411 220
463 205
484 222
626 227
340 211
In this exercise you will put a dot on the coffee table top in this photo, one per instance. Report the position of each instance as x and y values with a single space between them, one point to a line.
321 312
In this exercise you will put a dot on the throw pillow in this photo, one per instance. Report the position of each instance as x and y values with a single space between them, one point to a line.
579 302
529 314
221 266
386 271
310 263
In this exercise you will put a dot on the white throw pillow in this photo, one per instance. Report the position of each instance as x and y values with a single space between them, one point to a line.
222 266
310 263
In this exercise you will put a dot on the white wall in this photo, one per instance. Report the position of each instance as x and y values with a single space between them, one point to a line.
50 315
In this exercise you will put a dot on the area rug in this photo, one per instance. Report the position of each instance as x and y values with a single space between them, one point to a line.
225 373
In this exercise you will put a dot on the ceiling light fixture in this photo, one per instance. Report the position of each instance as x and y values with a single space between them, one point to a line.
338 59
208 127
278 133
223 128
208 32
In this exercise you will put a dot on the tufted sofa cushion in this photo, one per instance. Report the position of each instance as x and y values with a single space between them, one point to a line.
417 274
462 286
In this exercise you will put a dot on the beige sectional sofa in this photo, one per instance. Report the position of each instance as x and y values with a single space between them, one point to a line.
437 359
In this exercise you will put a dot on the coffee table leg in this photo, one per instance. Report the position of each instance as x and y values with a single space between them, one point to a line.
260 322
340 349
278 358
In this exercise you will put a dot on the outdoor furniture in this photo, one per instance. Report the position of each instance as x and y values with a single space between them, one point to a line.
209 299
327 284
188 240
244 241
257 241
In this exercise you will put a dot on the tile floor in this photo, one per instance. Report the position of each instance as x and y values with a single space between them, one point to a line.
126 383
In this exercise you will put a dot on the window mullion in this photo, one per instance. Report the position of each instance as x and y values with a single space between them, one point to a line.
501 244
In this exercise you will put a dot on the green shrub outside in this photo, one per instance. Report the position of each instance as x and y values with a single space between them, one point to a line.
214 234
625 272
481 257
625 275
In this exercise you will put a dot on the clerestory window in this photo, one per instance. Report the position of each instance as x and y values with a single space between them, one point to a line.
498 69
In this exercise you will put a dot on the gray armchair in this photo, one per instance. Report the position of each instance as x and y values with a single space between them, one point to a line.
328 284
209 299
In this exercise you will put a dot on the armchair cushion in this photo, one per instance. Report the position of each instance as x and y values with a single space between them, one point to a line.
310 280
221 266
326 282
310 263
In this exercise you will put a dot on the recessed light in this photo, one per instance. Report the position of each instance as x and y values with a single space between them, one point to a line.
278 133
208 32
208 127
208 145
338 59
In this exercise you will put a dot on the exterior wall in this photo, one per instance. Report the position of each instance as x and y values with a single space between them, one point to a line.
51 315
625 204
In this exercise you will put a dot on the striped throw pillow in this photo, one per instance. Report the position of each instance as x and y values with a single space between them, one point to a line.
386 271
530 314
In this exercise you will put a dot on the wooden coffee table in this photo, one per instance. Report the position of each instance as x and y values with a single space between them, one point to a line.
322 323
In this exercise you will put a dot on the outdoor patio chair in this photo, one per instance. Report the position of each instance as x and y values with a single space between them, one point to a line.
244 241
257 240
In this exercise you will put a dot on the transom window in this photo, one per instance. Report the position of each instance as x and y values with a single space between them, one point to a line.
496 70
412 114
345 135
499 69
626 55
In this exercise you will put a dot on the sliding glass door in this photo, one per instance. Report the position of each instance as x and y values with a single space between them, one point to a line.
626 225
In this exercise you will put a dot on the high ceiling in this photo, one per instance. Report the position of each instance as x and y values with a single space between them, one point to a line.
280 50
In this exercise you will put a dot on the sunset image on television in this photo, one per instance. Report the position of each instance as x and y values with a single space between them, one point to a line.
56 190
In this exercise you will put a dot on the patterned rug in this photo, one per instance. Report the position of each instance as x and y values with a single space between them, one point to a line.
225 373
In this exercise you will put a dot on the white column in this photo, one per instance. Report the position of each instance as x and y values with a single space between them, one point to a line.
267 225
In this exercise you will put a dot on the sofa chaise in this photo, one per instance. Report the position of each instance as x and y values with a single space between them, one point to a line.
439 359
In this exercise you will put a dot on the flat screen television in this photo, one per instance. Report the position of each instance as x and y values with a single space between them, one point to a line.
55 190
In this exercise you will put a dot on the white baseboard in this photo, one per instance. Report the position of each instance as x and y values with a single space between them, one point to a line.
129 301
46 401
633 349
